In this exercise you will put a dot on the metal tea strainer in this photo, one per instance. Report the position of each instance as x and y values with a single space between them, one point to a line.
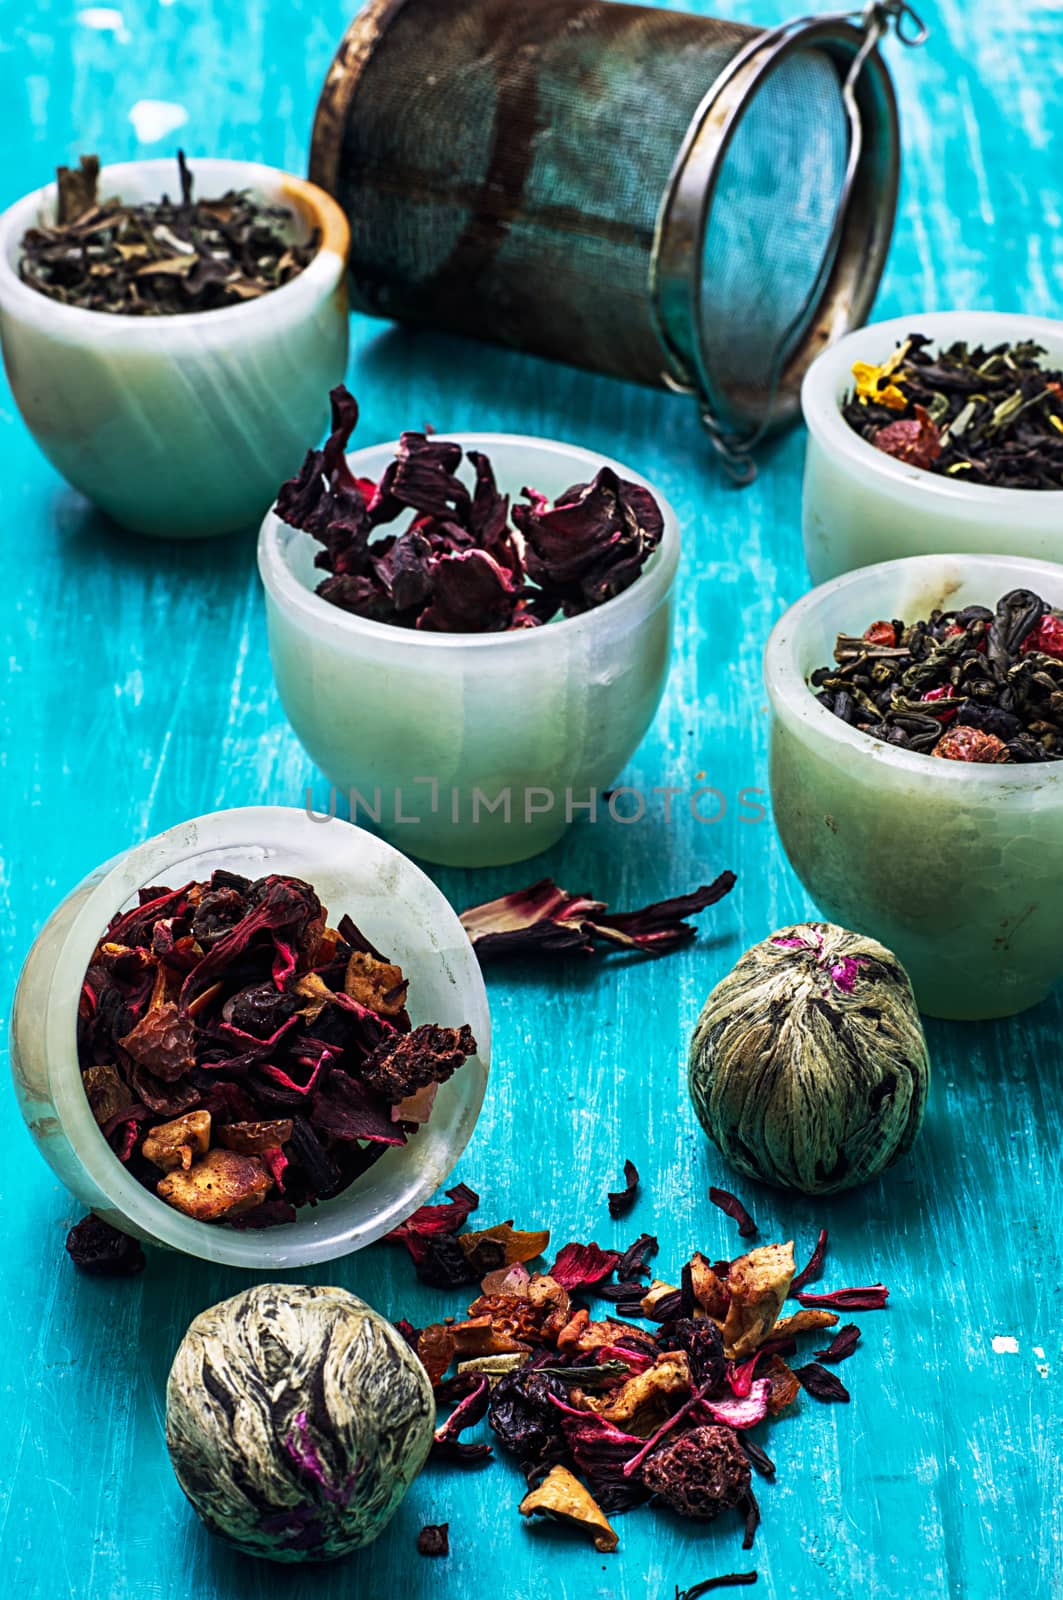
672 199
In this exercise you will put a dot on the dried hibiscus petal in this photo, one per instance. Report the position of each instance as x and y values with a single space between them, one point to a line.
544 919
622 1200
871 1298
733 1207
580 1265
813 1269
819 1383
842 1345
725 1580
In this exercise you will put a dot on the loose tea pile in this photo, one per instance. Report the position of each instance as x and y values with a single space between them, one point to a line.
970 685
159 258
991 416
459 567
242 1058
603 1414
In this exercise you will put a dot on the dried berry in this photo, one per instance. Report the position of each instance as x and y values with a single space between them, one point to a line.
700 1474
433 1539
969 744
102 1251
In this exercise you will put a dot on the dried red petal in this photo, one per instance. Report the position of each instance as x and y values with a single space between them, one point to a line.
579 1265
842 1345
621 1200
871 1298
1047 637
970 744
813 1271
915 441
733 1207
944 691
821 1384
544 919
883 634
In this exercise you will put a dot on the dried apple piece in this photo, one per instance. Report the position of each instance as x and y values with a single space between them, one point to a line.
255 1138
562 1495
758 1284
223 1184
379 985
173 1145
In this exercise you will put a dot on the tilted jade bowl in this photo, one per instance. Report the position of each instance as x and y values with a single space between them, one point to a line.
397 907
955 866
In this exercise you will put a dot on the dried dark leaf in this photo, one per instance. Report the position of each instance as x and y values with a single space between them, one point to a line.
622 1200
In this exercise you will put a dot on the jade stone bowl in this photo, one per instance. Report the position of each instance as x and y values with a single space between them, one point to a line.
180 426
956 867
862 506
398 908
471 749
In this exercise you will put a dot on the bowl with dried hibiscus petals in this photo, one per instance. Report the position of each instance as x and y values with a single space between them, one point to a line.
490 639
935 433
917 769
169 330
252 1038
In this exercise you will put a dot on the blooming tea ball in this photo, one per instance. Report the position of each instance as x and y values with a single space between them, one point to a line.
808 1065
296 1419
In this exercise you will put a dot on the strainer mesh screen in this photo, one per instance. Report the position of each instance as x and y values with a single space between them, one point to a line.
769 227
503 164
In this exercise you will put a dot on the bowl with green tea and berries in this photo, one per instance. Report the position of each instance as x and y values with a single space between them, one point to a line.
935 433
917 769
169 328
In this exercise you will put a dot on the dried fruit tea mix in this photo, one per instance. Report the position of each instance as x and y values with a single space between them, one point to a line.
603 1413
242 1058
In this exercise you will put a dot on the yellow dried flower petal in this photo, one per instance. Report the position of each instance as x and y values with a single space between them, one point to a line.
872 384
562 1495
518 1246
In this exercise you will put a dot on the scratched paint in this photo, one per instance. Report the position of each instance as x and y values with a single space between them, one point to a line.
942 1478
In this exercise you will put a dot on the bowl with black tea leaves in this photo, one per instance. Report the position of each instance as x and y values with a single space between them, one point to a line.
169 332
254 1038
933 433
471 634
916 779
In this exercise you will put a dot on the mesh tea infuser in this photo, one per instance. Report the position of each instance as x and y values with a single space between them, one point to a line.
671 199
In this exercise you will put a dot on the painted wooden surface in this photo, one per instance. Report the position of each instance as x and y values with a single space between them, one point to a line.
137 691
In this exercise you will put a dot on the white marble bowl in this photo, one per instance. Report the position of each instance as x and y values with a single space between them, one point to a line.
861 506
471 749
180 426
956 867
398 908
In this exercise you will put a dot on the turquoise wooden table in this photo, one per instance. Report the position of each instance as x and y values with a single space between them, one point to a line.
137 691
